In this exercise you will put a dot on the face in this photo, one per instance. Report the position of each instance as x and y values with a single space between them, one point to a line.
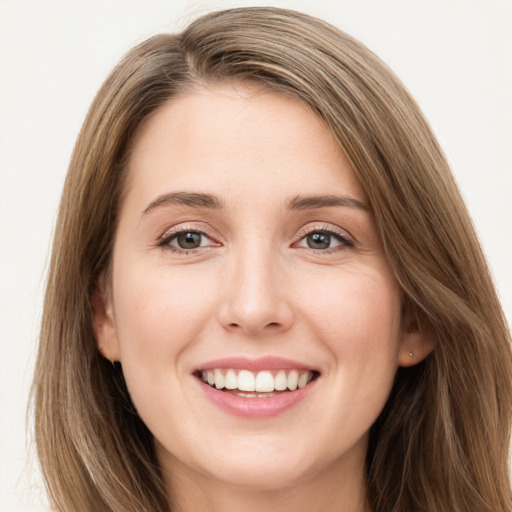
246 256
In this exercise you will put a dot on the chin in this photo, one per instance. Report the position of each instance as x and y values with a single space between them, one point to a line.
258 464
262 474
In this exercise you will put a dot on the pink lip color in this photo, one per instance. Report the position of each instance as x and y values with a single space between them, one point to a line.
255 407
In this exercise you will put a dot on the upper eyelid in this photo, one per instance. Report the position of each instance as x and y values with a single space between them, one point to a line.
336 230
198 227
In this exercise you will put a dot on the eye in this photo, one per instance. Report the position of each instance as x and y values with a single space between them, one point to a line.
320 241
323 240
186 240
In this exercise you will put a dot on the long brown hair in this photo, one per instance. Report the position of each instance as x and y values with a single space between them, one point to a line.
441 442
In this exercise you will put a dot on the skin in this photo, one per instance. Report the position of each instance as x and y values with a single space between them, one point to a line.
253 288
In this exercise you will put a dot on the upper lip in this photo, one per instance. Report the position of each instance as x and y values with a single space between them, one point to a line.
256 365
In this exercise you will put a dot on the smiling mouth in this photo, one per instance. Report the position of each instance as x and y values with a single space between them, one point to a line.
262 384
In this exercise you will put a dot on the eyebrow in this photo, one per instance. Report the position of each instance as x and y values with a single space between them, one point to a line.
311 202
194 199
200 200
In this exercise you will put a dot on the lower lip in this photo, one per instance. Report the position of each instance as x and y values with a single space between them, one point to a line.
256 407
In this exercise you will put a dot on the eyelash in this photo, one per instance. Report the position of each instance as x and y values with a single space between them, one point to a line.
169 236
339 235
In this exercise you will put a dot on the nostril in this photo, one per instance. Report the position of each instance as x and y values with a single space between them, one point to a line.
271 324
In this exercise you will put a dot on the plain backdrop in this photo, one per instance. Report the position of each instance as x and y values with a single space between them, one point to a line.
454 55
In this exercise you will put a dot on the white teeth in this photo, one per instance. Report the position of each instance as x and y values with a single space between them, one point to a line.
280 382
293 380
219 379
260 384
231 380
303 379
264 382
246 381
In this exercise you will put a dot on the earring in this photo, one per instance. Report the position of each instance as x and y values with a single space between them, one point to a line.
113 361
411 354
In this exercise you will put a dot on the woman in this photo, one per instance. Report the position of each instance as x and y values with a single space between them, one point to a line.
265 290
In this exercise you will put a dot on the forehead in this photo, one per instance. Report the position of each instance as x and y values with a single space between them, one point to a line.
237 138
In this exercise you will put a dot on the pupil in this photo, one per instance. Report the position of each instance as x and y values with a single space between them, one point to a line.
318 241
189 240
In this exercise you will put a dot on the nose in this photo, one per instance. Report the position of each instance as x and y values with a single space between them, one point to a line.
256 298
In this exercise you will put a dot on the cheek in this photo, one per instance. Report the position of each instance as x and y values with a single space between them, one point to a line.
359 322
159 316
158 313
358 312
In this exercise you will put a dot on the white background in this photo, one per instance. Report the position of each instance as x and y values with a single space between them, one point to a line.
454 55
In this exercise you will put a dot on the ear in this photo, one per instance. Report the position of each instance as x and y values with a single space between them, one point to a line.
418 339
104 322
